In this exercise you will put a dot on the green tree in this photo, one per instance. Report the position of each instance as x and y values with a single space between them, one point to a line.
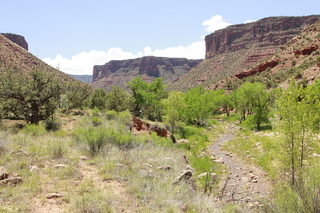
118 100
174 107
253 99
99 99
298 109
147 97
34 97
202 103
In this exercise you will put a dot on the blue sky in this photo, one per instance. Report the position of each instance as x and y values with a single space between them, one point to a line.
77 34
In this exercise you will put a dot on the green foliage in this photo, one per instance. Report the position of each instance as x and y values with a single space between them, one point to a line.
52 124
298 109
34 130
174 107
36 95
203 103
93 138
99 99
96 121
293 62
111 114
253 99
118 100
148 97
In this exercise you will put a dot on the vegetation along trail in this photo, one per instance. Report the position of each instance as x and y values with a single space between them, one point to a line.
243 182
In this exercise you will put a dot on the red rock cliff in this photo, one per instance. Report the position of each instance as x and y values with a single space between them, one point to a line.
18 39
273 31
118 72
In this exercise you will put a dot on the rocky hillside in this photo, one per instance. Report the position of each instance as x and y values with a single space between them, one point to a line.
233 49
150 67
14 56
299 58
18 39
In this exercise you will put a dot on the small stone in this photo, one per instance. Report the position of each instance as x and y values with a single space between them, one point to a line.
148 165
53 195
83 158
60 166
33 168
185 175
166 168
245 179
3 173
254 181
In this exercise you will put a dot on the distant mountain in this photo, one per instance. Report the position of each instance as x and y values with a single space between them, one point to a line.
84 78
122 71
233 49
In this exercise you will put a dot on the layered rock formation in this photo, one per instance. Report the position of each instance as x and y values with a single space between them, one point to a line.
18 39
121 71
233 49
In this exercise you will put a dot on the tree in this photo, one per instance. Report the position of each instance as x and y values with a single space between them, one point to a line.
36 95
201 103
118 100
298 108
174 107
99 99
147 97
253 99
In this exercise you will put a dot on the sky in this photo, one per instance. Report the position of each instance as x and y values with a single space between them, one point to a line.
75 35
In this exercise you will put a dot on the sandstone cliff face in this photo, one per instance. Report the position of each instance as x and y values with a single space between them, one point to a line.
273 31
119 72
18 39
233 49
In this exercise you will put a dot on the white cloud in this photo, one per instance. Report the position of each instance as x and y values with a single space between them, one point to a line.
249 21
82 63
215 23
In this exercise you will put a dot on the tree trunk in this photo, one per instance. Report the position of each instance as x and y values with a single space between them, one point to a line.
34 113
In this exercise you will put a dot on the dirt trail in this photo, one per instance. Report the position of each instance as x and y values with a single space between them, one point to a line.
244 182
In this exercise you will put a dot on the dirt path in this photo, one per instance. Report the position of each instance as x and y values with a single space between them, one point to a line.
243 181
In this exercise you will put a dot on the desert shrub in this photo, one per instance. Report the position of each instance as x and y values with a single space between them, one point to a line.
111 114
93 139
293 63
95 111
52 124
34 130
96 121
124 118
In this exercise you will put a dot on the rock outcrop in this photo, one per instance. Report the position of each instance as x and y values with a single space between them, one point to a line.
18 39
260 68
138 126
235 48
119 72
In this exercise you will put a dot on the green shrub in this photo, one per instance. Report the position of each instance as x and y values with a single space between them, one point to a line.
93 138
52 124
96 121
95 111
293 63
111 114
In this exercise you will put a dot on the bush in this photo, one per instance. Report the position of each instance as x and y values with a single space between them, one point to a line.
93 139
52 124
96 121
111 114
